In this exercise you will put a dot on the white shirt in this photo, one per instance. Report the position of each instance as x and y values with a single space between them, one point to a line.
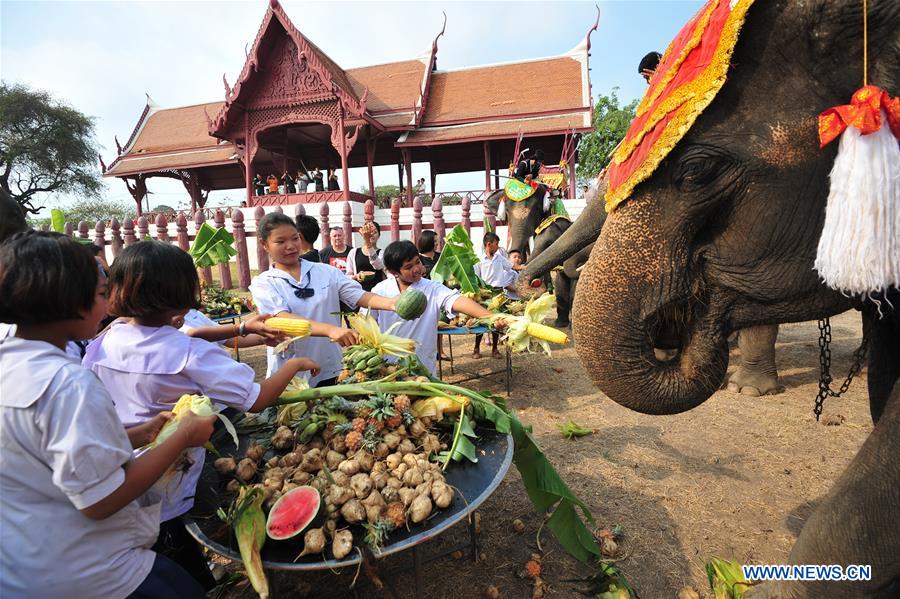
9 330
63 448
423 329
497 271
195 319
273 293
147 369
377 262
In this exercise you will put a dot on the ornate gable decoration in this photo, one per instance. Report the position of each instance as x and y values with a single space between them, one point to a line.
296 72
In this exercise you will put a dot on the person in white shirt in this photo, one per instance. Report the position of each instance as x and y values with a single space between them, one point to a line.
249 333
296 288
497 271
147 365
401 258
79 512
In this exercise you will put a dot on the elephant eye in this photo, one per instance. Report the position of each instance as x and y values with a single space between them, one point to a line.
698 170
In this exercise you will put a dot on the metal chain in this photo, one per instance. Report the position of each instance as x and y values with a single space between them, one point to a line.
859 356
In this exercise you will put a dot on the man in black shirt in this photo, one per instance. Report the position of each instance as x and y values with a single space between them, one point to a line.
259 185
336 254
529 169
308 227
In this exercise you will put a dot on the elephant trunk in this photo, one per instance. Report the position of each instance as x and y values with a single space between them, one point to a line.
583 232
629 303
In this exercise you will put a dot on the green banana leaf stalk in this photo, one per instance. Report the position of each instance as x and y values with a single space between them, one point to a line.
457 262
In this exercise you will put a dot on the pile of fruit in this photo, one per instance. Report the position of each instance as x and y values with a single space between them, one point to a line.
216 302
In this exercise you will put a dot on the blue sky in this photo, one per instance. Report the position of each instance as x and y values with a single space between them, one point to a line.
101 57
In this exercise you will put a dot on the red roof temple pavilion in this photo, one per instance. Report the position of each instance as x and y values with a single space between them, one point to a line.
293 107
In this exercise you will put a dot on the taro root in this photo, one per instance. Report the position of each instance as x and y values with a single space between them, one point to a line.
393 460
361 484
379 480
373 504
273 462
340 478
339 444
246 469
407 495
431 444
316 443
339 495
291 459
313 542
417 428
390 494
349 467
413 477
288 487
312 461
225 466
255 451
301 478
283 438
381 450
394 482
333 459
353 511
411 460
424 489
270 501
420 509
378 468
400 470
342 544
330 526
406 446
274 482
365 460
442 494
392 440
233 486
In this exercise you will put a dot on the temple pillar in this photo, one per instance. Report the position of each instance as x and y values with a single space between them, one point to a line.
487 165
370 162
248 160
572 182
433 173
407 165
138 191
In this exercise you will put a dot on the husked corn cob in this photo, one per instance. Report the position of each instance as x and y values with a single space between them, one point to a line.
545 333
295 327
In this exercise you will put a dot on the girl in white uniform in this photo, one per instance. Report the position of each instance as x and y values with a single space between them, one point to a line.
79 516
147 365
401 258
301 289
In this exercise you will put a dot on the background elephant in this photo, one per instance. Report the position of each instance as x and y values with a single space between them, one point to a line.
722 236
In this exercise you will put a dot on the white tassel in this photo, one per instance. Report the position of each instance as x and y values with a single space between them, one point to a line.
501 211
859 251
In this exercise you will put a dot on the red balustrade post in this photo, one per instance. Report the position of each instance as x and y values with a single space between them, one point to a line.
162 228
100 235
323 225
440 229
417 219
199 219
279 210
224 267
348 223
262 258
143 228
68 229
116 237
130 238
240 244
369 211
299 210
467 214
83 230
395 219
181 232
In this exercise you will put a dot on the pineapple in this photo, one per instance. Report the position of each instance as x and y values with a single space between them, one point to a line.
401 403
394 421
378 424
353 440
343 376
395 513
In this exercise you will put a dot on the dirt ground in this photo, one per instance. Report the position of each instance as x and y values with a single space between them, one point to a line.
736 477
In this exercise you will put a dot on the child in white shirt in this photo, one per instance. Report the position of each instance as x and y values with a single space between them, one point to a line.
401 258
497 271
79 513
147 365
297 288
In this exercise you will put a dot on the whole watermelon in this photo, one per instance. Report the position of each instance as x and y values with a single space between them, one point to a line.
411 304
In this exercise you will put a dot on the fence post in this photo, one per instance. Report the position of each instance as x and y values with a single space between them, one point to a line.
184 242
68 229
299 210
100 235
279 210
240 244
130 239
199 219
116 237
467 214
395 219
369 211
83 230
262 258
348 224
162 228
224 267
417 219
323 225
440 229
143 228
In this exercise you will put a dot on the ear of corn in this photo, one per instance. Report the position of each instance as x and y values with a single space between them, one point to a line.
528 329
370 335
295 327
250 531
546 333
199 405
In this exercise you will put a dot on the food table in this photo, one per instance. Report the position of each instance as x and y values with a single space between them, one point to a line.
474 483
472 375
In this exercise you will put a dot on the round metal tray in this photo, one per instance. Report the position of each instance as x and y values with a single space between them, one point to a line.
473 482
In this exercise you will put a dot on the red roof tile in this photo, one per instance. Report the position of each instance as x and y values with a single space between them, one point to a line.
502 129
392 86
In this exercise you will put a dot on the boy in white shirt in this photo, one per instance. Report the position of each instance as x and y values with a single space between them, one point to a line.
497 271
401 258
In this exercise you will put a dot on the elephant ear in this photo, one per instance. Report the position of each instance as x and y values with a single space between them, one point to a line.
493 201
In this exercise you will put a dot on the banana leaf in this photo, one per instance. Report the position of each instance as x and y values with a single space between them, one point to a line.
212 246
57 220
457 261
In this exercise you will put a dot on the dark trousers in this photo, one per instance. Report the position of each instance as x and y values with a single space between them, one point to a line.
175 543
168 580
327 382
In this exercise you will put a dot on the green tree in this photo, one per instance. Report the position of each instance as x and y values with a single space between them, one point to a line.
94 209
610 123
383 193
45 147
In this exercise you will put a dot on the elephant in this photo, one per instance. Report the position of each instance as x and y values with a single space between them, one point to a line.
722 235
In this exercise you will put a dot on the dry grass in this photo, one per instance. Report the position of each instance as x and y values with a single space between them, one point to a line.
736 477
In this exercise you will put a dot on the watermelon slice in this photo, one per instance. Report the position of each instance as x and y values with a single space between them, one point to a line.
293 513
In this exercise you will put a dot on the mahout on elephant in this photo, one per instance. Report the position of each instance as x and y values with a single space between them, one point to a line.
722 235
